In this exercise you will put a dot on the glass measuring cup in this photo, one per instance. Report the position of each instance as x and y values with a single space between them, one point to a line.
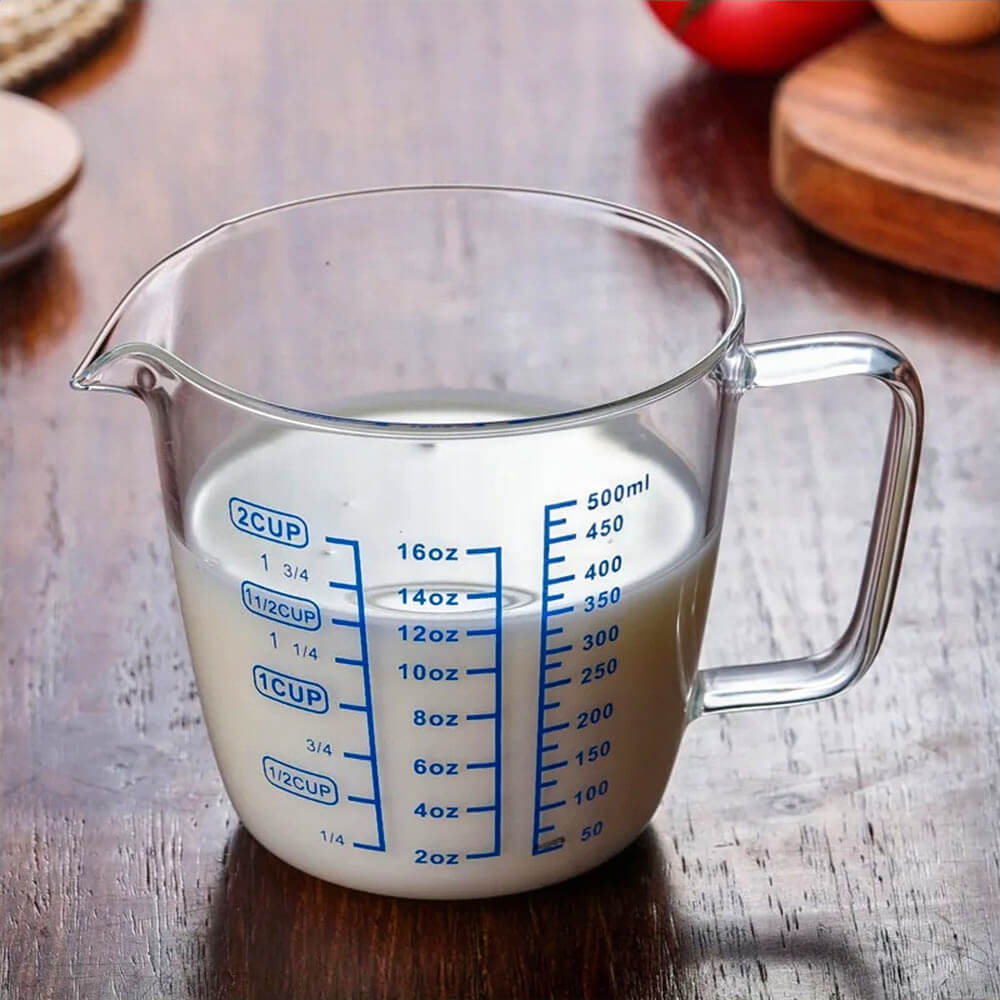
444 471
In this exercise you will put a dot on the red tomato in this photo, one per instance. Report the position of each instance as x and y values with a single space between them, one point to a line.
758 36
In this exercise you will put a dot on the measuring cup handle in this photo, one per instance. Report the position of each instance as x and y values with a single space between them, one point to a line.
809 678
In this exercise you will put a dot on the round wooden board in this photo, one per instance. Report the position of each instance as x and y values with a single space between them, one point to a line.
40 161
893 146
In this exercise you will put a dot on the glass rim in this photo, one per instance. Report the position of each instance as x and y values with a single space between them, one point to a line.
669 235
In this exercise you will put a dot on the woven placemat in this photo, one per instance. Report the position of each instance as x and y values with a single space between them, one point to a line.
38 37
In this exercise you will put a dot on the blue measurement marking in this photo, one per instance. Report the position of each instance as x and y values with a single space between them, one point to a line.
375 800
496 595
550 609
345 622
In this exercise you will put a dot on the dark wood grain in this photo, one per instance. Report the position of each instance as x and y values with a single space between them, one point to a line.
893 146
847 850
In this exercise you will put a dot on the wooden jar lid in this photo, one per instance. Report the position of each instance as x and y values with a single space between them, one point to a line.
40 161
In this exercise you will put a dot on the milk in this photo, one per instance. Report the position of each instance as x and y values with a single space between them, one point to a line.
449 668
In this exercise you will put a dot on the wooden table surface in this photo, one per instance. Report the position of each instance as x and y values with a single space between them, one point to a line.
845 850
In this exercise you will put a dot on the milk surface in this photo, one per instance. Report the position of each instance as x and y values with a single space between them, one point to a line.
449 668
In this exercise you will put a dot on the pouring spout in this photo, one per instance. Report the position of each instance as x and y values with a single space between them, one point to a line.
111 369
133 368
132 350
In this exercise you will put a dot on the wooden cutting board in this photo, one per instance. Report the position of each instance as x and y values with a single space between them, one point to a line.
893 146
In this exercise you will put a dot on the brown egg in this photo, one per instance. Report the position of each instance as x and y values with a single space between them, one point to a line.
946 22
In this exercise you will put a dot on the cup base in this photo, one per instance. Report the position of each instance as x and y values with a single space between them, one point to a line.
492 878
